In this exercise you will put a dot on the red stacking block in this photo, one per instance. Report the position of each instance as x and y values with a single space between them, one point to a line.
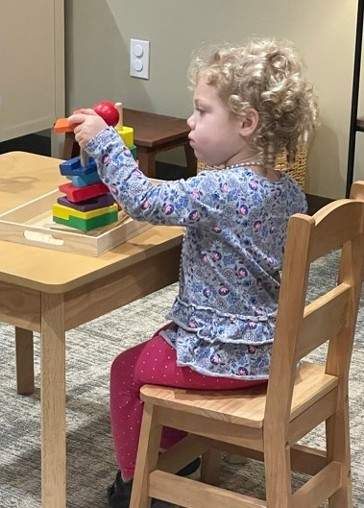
77 194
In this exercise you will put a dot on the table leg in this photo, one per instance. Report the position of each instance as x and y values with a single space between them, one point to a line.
191 160
53 395
146 160
24 361
70 147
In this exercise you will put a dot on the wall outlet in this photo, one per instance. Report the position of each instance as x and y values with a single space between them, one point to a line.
139 58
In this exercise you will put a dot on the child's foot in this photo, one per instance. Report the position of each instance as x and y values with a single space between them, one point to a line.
119 493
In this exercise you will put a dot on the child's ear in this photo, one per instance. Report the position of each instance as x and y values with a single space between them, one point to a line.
249 123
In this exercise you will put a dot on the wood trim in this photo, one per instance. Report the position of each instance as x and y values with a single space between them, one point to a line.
319 488
323 319
182 453
59 59
214 429
147 458
53 401
24 361
120 288
304 459
336 224
20 307
186 492
322 409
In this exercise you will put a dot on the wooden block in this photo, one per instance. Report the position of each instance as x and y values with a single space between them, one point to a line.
85 180
65 212
77 194
90 204
88 224
63 125
127 135
73 167
133 150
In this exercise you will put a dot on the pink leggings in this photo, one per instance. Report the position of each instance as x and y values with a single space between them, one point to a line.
152 362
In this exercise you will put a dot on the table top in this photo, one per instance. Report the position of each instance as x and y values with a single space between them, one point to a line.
152 130
25 176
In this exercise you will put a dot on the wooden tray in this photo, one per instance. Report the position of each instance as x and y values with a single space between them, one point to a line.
32 224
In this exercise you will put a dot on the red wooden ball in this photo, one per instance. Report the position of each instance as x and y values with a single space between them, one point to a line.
107 111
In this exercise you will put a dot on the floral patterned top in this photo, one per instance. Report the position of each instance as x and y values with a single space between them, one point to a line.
223 318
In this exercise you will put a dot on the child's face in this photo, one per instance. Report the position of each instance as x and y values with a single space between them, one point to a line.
215 132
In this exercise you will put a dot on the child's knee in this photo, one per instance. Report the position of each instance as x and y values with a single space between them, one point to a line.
124 364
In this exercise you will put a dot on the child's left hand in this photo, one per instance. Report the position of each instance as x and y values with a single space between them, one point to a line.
89 124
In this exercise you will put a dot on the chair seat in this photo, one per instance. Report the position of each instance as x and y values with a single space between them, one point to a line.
246 406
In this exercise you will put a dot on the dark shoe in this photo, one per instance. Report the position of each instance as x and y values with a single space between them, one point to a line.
119 493
190 468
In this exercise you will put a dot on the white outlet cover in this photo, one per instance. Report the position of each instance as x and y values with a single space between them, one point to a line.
139 58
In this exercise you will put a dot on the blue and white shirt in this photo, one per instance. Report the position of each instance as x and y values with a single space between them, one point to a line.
223 319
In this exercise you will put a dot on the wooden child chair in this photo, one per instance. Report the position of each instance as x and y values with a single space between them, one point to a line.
266 423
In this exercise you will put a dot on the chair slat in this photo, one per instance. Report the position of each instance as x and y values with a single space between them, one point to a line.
323 319
178 490
319 487
336 223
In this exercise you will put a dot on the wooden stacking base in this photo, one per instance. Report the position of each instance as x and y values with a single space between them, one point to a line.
87 224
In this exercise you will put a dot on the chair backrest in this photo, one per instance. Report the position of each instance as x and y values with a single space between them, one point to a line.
301 328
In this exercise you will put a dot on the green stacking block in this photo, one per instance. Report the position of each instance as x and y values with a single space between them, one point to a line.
133 150
87 224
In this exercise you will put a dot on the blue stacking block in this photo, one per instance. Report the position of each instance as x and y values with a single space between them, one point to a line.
72 167
85 180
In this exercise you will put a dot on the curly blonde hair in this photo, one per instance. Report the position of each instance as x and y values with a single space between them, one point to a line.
266 75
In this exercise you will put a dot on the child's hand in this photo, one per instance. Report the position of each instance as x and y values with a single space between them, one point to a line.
89 124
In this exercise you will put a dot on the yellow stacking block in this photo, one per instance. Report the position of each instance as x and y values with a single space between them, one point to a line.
64 212
127 135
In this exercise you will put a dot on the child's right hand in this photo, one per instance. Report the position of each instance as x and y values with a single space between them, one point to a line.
88 125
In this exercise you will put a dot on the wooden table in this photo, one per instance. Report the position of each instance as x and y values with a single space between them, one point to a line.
51 292
153 134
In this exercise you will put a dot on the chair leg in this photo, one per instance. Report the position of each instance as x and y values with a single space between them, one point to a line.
338 448
277 462
147 458
210 466
24 361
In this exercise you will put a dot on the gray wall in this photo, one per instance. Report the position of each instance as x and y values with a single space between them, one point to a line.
97 47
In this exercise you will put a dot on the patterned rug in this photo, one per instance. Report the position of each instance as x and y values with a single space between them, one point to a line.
90 350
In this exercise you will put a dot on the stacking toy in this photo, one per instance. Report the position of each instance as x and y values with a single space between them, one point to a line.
107 111
87 202
90 204
72 167
126 133
77 194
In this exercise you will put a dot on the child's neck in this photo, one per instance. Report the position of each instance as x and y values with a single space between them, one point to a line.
245 156
255 162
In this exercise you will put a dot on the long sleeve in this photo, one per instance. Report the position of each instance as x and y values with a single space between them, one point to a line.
181 202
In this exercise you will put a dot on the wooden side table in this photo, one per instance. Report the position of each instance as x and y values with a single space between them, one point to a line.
153 133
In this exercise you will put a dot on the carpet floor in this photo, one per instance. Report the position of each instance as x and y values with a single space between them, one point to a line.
91 463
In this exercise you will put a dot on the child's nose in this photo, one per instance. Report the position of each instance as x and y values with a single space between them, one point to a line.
190 122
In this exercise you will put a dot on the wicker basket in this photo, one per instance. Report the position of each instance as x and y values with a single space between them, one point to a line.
296 171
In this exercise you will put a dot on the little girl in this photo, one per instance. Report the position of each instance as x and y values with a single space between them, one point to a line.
250 103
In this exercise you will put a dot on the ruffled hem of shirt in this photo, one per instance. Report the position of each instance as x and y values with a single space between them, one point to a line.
213 326
205 372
